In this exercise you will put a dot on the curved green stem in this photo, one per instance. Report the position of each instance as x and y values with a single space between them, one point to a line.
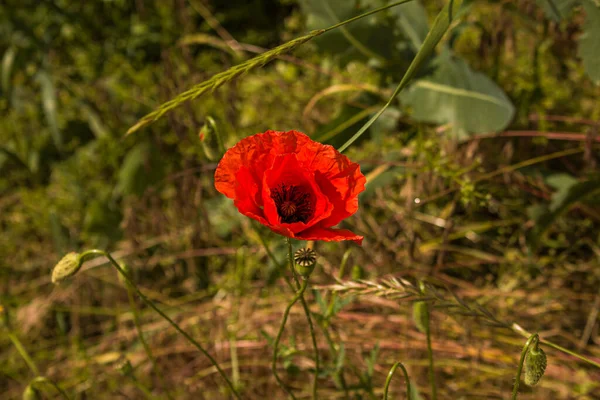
140 333
307 313
286 313
165 316
533 340
389 380
430 356
28 360
518 329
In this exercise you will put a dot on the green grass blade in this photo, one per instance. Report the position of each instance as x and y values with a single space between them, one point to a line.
439 28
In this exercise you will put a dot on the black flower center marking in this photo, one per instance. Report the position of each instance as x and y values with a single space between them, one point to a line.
293 204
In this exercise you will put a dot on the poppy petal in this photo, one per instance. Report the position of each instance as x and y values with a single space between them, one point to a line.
287 170
247 197
329 235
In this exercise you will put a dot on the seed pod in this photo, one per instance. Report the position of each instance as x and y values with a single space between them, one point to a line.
421 315
535 365
305 260
66 267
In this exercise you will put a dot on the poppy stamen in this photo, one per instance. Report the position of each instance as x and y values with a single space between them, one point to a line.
293 204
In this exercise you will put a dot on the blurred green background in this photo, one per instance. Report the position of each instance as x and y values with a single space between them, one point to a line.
482 177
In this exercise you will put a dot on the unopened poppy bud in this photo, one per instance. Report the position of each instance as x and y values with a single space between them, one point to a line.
210 140
124 367
305 260
66 267
535 365
31 393
421 315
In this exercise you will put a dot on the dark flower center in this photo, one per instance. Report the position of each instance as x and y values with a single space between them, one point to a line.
293 204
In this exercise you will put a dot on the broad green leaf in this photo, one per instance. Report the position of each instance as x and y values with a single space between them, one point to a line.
455 94
412 19
561 181
589 41
366 39
440 26
50 106
557 9
561 202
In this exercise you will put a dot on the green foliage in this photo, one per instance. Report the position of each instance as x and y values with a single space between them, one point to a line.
568 194
455 94
74 76
590 40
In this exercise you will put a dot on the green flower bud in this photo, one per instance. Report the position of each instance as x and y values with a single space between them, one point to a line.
211 140
66 267
421 315
305 260
535 365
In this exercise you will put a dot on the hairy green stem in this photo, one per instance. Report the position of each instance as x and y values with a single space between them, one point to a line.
165 316
286 313
533 340
28 360
389 380
311 328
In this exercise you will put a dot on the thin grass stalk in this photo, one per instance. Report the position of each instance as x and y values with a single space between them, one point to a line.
140 333
165 316
23 353
430 357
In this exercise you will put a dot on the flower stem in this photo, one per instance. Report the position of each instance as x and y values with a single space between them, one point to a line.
138 328
308 318
15 340
389 380
430 355
162 314
533 340
286 313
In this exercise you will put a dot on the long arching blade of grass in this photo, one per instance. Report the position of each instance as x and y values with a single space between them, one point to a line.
440 26
223 77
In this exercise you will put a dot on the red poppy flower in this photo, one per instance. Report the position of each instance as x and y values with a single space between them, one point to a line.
297 187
